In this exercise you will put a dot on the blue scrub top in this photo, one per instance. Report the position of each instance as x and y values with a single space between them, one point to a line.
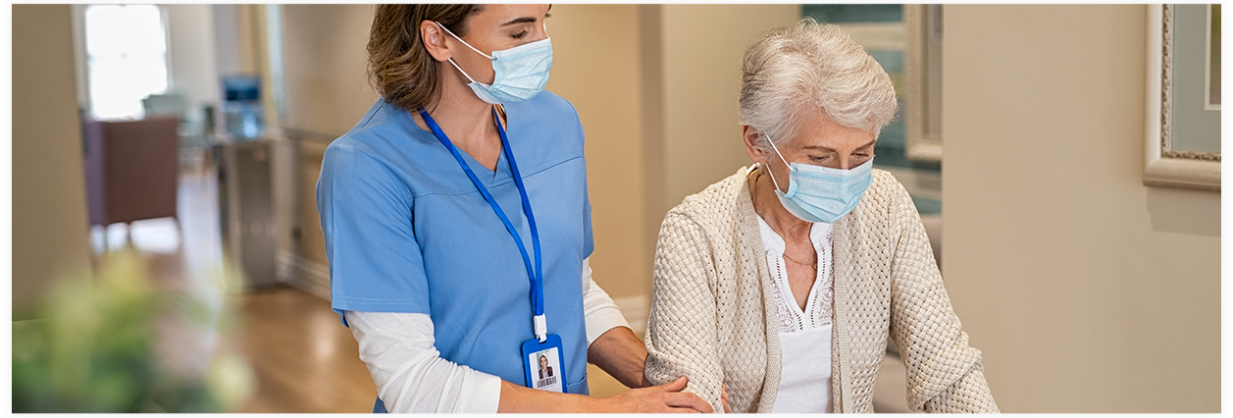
407 231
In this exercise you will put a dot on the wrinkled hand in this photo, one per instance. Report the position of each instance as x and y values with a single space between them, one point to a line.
723 396
658 399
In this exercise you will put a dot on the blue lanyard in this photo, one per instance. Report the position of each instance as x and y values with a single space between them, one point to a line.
535 274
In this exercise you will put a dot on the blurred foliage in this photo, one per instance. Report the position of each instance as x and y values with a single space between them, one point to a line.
101 345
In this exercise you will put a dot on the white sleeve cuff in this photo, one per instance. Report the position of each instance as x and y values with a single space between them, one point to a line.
410 374
600 311
480 394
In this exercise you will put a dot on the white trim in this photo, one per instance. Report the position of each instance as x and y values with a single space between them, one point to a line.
304 274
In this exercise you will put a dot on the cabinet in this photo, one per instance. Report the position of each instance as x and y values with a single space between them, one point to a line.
246 208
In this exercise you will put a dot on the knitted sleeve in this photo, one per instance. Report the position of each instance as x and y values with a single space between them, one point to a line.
971 394
682 336
944 373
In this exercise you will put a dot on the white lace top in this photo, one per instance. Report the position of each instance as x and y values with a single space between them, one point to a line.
804 335
819 309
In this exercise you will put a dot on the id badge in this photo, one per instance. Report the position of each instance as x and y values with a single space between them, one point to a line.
544 364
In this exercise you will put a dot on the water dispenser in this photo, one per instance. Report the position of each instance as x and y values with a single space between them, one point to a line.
242 112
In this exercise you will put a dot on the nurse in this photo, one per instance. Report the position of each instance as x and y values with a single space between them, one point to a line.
458 227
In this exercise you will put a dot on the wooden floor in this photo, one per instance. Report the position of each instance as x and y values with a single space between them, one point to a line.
304 359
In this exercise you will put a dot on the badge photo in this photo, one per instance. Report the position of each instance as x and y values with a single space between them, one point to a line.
544 365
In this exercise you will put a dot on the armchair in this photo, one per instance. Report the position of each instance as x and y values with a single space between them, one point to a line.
132 169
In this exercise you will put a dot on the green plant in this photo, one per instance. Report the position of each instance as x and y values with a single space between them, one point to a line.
98 347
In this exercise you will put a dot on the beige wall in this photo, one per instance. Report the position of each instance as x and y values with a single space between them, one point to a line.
1087 291
595 67
50 232
324 62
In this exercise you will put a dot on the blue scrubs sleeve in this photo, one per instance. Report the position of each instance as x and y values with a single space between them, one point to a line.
366 213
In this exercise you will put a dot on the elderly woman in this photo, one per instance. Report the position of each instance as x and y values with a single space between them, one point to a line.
783 281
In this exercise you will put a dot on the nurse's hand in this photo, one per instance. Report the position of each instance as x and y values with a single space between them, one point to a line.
663 398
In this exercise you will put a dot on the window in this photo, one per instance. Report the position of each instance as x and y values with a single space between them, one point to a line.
127 55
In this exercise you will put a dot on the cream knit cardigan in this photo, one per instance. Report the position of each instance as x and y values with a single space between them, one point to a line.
712 318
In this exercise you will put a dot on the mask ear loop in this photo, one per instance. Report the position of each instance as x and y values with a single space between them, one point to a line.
451 60
464 73
463 42
768 165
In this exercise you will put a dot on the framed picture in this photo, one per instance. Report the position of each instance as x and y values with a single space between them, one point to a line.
923 85
1183 100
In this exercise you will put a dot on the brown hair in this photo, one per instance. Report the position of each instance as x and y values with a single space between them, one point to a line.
399 66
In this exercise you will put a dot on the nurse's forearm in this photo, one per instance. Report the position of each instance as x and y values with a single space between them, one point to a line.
521 399
620 353
657 399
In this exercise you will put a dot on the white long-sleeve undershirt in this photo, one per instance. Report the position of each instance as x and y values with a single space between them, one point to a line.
410 374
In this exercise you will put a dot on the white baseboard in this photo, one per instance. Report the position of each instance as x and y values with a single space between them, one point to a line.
304 274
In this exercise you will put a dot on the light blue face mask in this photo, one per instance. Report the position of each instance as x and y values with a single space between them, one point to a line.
521 72
820 194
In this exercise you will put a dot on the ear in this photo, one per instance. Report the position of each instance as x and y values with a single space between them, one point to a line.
434 40
750 136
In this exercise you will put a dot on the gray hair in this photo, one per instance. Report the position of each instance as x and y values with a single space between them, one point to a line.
793 73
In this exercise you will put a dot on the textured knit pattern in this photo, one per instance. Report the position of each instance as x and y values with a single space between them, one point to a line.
713 318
